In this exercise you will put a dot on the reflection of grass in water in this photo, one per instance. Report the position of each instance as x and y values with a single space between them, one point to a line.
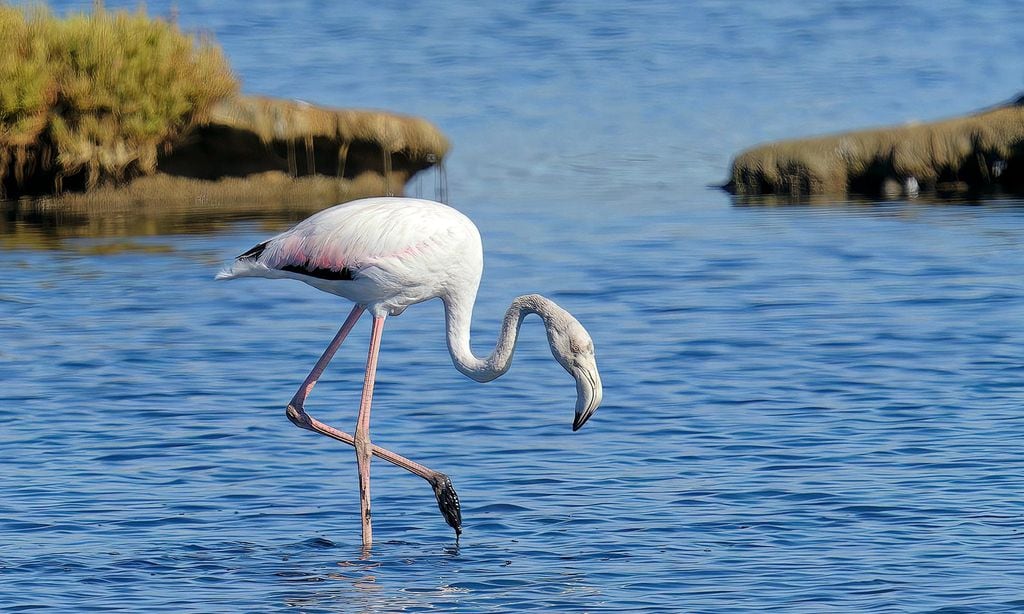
27 224
35 239
273 200
26 237
121 247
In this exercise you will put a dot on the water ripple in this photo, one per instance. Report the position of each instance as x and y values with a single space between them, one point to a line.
807 408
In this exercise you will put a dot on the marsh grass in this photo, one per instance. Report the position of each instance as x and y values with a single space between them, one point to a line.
96 97
980 151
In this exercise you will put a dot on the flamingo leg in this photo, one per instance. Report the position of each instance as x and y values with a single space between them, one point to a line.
362 438
318 369
447 499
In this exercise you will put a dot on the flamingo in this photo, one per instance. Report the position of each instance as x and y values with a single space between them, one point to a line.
385 254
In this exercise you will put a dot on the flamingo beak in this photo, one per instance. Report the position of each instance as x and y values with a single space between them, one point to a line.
588 394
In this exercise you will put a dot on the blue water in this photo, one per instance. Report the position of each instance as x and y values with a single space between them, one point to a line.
807 408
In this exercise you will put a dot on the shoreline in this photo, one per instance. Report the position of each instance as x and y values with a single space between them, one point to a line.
263 149
976 153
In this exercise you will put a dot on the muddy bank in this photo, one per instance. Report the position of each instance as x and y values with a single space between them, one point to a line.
977 153
258 149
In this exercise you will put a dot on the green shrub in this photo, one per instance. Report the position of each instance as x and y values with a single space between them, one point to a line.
28 83
103 91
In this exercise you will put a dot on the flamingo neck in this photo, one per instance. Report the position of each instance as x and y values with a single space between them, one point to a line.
458 318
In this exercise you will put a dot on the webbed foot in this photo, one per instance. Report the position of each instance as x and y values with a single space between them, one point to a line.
448 501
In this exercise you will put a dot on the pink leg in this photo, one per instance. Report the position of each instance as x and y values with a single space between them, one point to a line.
318 369
362 439
447 499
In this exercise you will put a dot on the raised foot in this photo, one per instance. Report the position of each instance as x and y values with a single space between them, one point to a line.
447 501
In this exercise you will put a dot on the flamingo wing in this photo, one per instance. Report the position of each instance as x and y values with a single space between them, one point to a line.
340 242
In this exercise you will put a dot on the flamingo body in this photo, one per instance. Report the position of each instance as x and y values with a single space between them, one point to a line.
382 253
385 254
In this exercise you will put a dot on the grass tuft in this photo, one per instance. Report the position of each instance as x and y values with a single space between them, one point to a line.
97 96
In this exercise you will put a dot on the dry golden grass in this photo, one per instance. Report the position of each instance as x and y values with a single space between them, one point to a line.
336 142
970 152
274 119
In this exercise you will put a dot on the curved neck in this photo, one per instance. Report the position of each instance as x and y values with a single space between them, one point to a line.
458 317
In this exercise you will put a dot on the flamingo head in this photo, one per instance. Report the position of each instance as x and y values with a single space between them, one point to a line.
573 348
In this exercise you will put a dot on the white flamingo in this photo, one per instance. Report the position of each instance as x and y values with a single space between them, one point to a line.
385 254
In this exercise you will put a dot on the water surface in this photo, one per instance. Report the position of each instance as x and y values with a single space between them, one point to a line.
807 408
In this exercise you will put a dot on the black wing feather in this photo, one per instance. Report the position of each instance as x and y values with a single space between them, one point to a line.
345 274
254 253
